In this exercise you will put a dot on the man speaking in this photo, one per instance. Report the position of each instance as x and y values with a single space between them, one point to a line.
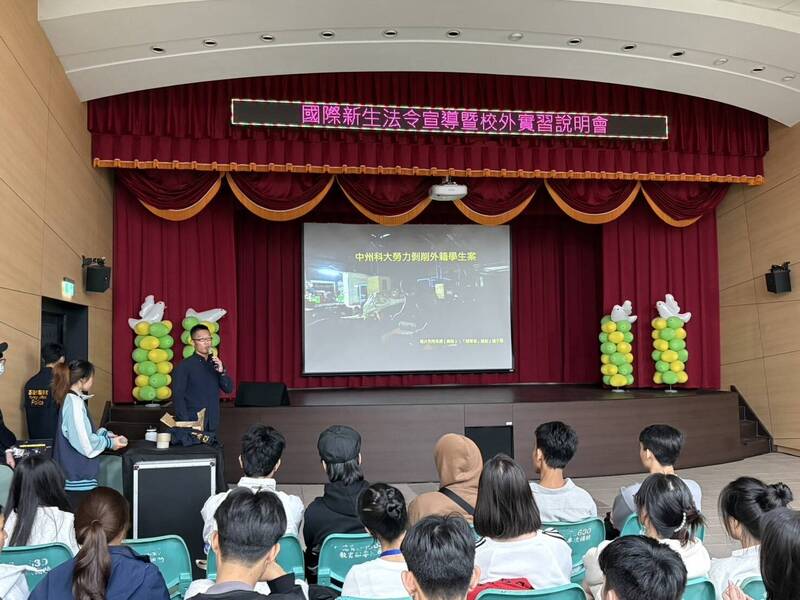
197 380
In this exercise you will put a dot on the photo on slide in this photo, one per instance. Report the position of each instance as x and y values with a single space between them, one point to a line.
415 298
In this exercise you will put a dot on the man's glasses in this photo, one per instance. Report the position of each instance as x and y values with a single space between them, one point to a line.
208 339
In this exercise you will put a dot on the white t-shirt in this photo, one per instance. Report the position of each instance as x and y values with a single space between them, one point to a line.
625 505
742 564
291 504
377 578
545 560
200 586
13 585
567 504
50 525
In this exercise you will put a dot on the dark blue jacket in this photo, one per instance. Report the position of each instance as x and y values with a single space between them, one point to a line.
132 578
41 410
196 385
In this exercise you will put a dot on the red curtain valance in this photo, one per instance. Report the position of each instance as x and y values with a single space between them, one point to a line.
188 127
394 200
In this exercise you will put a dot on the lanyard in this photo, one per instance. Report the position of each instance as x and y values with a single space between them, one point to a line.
394 552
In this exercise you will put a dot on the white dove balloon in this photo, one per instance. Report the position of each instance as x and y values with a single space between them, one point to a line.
150 311
623 313
670 308
212 315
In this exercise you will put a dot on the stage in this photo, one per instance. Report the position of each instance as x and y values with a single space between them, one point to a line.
399 426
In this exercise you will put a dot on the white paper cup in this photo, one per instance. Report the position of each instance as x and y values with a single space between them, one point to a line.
162 440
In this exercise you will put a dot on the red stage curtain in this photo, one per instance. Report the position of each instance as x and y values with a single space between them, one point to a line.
172 195
189 127
387 199
681 204
643 259
189 264
493 201
593 201
279 196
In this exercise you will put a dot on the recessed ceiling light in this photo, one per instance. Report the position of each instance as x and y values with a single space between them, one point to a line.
677 53
327 34
453 33
758 69
209 43
576 41
788 77
157 49
390 33
516 36
721 61
266 37
629 47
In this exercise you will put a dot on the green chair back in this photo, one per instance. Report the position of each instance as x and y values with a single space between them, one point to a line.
110 474
290 558
570 591
170 554
6 475
754 587
580 536
634 527
42 558
699 589
341 551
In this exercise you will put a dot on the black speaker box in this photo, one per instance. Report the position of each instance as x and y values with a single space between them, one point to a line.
778 280
98 278
252 393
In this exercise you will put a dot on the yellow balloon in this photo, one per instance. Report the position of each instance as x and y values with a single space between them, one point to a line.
683 377
163 393
677 366
157 356
212 327
629 358
136 368
142 380
164 367
655 335
142 328
610 369
616 337
605 359
680 333
167 324
149 342
169 379
609 327
135 393
618 380
661 345
659 323
657 378
623 347
669 356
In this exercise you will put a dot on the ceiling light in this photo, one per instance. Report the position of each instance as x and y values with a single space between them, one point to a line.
788 77
758 69
390 33
157 49
629 47
327 34
453 33
209 43
576 41
265 37
677 53
721 61
516 36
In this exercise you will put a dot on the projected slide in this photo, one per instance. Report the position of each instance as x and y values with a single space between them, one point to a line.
414 298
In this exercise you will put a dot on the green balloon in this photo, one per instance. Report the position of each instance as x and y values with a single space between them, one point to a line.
603 337
617 358
186 338
189 322
605 319
625 369
170 353
158 330
188 351
158 380
137 339
607 379
627 337
674 323
165 341
148 368
623 326
670 378
683 355
630 379
608 348
147 393
662 367
139 355
676 344
214 340
666 334
656 355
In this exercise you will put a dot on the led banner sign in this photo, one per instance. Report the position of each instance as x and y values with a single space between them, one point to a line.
429 119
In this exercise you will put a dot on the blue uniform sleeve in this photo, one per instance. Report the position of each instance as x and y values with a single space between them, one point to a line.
180 379
153 585
225 383
77 429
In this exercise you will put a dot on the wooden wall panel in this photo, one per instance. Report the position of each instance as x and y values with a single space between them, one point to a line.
741 338
750 379
21 243
734 254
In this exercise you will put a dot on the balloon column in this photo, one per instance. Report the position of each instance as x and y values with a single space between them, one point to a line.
152 358
616 339
669 343
210 319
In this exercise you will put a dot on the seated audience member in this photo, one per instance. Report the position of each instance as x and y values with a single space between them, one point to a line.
780 557
459 463
636 567
249 525
13 585
382 509
38 511
659 449
440 554
742 506
336 511
668 514
559 499
513 544
103 568
260 459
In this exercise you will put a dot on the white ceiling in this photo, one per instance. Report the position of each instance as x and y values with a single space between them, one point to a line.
105 45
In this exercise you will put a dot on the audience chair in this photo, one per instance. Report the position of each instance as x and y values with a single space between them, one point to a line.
341 551
110 472
580 536
754 587
170 554
40 558
633 527
700 588
6 475
571 591
290 558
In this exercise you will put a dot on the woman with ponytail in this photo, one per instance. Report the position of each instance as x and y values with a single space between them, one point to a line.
77 443
382 509
743 503
103 569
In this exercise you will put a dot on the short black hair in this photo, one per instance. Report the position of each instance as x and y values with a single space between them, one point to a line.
249 524
747 500
668 504
780 553
348 472
505 507
52 352
382 510
558 443
664 441
262 448
637 567
440 553
196 328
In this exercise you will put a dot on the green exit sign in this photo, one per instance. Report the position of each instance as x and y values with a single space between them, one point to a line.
67 288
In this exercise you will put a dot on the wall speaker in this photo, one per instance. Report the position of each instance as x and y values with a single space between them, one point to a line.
778 280
262 394
98 278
